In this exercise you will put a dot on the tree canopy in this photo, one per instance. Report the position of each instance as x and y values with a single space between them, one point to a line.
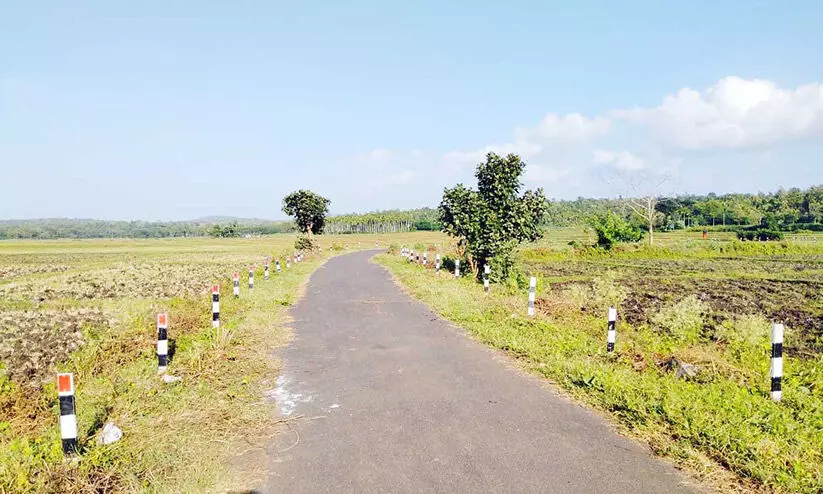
490 221
308 210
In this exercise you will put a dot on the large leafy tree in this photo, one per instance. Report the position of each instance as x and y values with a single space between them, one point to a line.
491 221
308 210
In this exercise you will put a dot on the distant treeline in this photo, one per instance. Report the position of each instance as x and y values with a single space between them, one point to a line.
784 210
376 222
787 210
84 228
390 221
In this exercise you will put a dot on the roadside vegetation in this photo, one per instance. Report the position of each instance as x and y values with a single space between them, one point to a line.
89 308
690 374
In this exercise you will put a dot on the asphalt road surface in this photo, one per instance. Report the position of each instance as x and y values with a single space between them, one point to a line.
395 399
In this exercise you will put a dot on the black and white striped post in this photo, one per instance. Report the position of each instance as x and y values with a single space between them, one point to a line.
215 306
277 266
437 263
251 278
777 362
486 271
236 281
611 335
425 259
68 415
266 270
417 259
457 268
532 291
288 262
162 342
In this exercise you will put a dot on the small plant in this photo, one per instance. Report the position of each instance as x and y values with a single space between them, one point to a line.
305 243
611 229
751 330
684 320
394 249
606 292
336 247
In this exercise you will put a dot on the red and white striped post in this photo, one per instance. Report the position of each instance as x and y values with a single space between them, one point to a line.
162 342
236 282
251 278
68 415
215 306
266 269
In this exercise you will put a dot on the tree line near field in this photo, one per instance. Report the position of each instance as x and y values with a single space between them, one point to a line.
785 210
374 222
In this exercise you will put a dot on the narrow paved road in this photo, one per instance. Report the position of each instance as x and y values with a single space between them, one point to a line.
395 399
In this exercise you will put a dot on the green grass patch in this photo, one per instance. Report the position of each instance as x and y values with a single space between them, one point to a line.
722 425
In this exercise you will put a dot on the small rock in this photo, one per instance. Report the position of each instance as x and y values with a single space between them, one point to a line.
110 434
687 371
170 379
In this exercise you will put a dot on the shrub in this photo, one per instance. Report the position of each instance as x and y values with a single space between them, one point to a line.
750 330
611 229
336 247
684 320
304 243
394 249
762 235
606 292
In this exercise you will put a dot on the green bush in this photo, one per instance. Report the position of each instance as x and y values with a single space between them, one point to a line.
394 249
304 243
762 235
611 229
684 320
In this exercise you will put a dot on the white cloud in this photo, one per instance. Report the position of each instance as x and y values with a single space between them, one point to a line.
553 130
522 148
398 178
544 174
380 154
620 160
734 113
568 129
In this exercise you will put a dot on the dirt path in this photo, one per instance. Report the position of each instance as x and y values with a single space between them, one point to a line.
395 399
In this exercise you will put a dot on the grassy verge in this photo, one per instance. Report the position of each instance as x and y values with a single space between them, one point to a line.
722 426
178 436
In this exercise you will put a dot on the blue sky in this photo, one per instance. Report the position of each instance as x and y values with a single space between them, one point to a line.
174 110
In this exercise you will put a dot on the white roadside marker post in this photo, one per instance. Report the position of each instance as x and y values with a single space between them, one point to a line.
251 278
215 306
457 268
777 362
266 269
236 281
486 271
532 291
68 414
437 263
162 342
612 330
277 266
425 259
288 262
